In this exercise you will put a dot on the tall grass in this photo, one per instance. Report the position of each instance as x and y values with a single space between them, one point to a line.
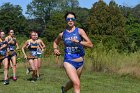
53 77
98 59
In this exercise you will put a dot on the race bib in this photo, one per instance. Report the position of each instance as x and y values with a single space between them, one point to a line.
34 53
72 49
39 51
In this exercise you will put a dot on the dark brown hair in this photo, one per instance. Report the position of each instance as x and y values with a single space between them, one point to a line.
72 13
10 30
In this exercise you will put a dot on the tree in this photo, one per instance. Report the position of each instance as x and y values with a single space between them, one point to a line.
97 20
55 25
43 9
132 27
116 19
69 5
82 16
136 11
47 16
107 23
11 17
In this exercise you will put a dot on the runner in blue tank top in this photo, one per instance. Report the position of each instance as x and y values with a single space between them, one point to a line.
74 51
31 54
3 56
12 55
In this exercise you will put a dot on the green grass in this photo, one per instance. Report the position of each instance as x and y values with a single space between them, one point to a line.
53 76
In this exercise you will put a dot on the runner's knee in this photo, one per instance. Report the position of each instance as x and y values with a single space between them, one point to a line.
76 84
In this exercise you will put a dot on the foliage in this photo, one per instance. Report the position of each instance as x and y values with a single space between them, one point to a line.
136 11
11 17
53 77
44 9
55 25
132 27
107 24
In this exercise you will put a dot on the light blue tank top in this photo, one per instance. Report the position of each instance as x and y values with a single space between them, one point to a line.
12 46
33 50
3 51
72 50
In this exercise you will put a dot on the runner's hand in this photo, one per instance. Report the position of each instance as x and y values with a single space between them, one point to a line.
74 40
25 56
57 52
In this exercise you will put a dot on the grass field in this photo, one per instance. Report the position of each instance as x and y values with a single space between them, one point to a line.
53 76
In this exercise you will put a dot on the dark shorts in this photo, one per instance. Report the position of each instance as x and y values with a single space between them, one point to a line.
11 54
32 57
75 64
39 55
1 59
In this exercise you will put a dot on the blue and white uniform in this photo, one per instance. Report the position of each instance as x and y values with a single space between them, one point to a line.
39 52
3 51
72 50
11 48
32 51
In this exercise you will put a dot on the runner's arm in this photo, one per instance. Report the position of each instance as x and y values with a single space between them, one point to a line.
23 47
87 42
55 44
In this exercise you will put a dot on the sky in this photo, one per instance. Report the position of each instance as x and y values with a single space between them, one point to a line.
82 3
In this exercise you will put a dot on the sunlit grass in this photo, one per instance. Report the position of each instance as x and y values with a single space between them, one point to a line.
53 77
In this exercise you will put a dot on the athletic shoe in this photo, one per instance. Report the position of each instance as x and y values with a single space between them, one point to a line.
38 78
6 82
33 79
62 89
14 78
